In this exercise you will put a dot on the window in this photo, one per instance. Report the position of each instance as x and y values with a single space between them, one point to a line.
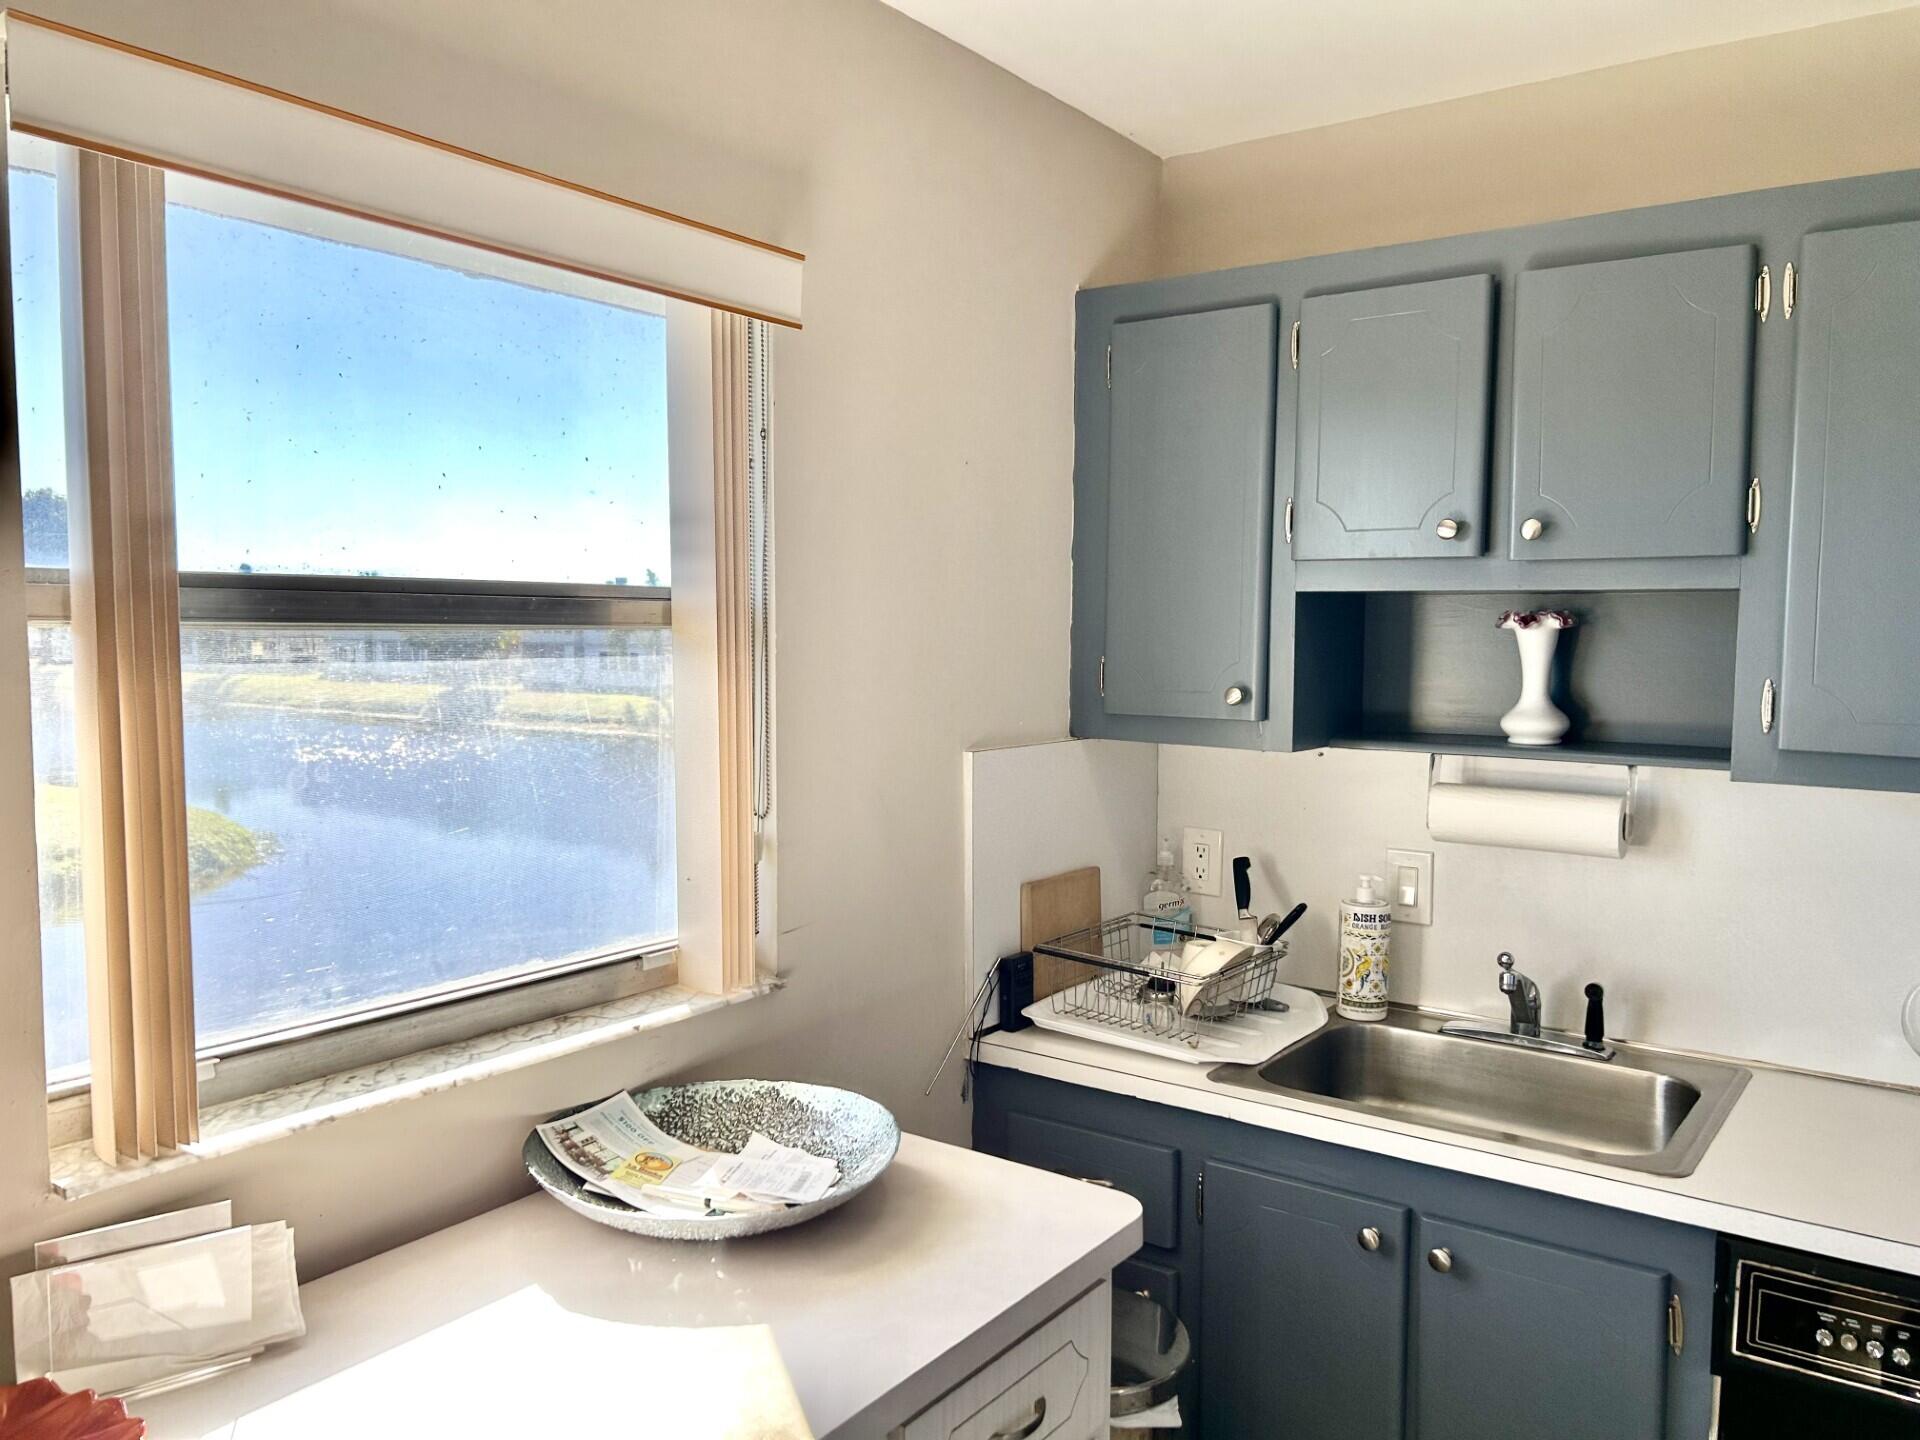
421 499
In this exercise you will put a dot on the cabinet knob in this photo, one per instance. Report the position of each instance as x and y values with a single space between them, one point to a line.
1441 1259
1447 528
1236 695
1369 1238
1531 528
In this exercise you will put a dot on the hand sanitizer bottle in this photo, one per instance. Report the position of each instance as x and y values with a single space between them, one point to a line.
1166 899
1366 933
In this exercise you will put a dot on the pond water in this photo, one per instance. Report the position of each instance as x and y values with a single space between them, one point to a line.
461 835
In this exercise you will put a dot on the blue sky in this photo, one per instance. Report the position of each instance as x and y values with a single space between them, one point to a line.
339 409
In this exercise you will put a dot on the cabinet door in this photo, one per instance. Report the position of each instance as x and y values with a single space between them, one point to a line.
1304 1325
1519 1340
1852 673
1392 440
1633 383
1189 514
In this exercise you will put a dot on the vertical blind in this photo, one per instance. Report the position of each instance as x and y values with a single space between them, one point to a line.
733 569
126 653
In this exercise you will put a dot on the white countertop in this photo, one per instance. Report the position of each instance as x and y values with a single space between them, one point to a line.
1814 1163
487 1328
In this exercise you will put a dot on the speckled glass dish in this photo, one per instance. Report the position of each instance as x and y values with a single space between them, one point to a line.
858 1134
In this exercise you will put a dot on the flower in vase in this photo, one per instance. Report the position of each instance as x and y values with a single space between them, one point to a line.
1534 619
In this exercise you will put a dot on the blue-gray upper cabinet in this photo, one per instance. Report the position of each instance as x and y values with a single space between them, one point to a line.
1516 1340
1189 514
1851 682
1303 1308
1632 389
1391 443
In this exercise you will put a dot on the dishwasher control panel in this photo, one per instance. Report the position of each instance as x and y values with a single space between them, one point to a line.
1827 1329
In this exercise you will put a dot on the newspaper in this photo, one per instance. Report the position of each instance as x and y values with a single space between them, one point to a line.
620 1153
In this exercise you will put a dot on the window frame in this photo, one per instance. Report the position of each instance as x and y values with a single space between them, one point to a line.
238 1067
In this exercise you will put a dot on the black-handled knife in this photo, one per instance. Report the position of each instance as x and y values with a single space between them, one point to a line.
1273 927
1243 886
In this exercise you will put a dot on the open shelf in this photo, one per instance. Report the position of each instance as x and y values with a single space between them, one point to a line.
1645 677
1602 752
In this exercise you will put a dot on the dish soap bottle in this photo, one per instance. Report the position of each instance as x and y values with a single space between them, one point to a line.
1366 933
1166 899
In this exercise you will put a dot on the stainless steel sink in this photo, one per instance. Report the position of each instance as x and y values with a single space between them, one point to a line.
1642 1110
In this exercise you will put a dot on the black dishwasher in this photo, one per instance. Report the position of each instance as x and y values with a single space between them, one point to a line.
1807 1346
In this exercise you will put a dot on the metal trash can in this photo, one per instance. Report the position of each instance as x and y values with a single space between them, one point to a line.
1151 1352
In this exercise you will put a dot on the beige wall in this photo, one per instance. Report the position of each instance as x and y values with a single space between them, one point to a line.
1838 100
924 444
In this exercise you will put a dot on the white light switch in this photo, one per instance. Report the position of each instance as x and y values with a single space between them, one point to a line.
1410 884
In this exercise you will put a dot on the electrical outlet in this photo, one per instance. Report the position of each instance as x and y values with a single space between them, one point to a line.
1200 860
1410 885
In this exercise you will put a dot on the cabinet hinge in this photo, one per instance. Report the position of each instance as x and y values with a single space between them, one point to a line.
1753 507
1293 345
1103 676
1109 367
1789 291
1676 1325
1766 707
1287 523
1763 293
1200 1196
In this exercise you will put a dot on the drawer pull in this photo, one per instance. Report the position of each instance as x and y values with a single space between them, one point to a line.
1095 1180
1369 1238
1441 1260
1020 1432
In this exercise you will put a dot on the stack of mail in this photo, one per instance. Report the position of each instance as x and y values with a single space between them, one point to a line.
618 1152
136 1308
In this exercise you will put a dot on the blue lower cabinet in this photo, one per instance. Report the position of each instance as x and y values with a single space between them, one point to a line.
1334 1294
1515 1340
1304 1299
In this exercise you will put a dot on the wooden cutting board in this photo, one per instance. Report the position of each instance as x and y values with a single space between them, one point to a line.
1050 908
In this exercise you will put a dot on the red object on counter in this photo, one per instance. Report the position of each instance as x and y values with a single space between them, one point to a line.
41 1410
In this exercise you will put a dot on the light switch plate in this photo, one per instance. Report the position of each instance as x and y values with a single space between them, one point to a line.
1411 868
1200 860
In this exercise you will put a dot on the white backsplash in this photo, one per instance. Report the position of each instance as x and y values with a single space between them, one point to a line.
1775 922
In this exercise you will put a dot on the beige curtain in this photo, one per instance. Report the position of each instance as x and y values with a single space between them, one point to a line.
734 619
126 642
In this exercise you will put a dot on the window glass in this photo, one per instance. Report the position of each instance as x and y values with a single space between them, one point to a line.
34 236
377 810
379 813
56 818
341 409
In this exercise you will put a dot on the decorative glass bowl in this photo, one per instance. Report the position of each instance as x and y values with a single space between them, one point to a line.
858 1134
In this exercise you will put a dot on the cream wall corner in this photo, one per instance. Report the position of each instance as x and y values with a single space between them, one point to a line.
1813 104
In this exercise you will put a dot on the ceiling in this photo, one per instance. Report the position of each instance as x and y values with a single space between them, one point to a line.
1182 75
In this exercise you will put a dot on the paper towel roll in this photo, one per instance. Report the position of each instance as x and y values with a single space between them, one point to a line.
1529 819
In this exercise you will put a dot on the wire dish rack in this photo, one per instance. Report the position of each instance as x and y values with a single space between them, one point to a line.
1129 974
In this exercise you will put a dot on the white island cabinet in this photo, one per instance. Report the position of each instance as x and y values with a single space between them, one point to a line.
959 1296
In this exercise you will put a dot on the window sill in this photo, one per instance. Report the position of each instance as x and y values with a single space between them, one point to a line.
77 1172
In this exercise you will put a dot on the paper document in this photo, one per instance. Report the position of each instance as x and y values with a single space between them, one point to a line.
620 1153
142 1318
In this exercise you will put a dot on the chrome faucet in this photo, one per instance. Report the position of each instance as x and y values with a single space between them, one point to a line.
1522 995
1523 998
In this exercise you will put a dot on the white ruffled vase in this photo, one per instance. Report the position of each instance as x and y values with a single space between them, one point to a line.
1536 720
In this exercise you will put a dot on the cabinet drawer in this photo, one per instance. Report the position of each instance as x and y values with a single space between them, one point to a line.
1150 1173
1050 1386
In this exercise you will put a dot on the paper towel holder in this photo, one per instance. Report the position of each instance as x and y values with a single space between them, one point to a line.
1519 772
